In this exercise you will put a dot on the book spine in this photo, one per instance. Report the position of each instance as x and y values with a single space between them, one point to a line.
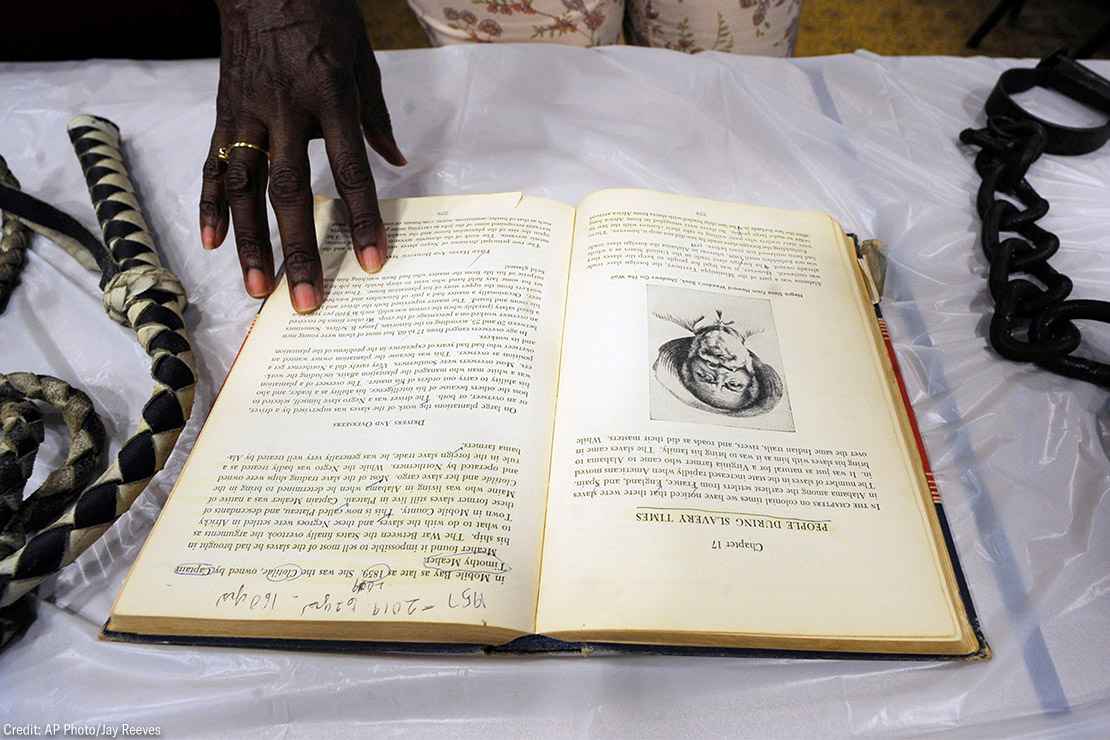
871 260
930 479
984 652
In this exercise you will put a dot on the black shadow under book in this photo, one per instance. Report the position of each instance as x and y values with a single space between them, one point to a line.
651 423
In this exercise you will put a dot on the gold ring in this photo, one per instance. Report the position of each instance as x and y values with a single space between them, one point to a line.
248 145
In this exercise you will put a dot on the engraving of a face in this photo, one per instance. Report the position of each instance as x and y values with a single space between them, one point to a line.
718 368
714 368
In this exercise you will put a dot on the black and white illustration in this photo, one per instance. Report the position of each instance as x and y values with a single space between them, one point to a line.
715 360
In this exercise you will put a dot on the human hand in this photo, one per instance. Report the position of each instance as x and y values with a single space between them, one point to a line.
292 71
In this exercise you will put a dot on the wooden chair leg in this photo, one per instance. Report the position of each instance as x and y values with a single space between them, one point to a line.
1013 7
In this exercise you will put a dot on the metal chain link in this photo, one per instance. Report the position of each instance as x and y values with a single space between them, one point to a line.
1033 319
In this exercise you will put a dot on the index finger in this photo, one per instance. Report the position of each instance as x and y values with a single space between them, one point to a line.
213 196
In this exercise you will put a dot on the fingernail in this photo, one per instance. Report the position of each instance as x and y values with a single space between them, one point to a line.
370 259
304 298
386 145
209 238
399 158
257 284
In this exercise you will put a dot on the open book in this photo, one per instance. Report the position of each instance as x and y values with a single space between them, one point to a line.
652 420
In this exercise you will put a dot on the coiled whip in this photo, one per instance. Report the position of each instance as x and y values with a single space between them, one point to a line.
47 530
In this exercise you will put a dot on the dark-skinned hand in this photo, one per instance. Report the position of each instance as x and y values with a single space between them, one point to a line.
292 71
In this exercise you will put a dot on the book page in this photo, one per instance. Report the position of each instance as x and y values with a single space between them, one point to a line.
385 458
727 458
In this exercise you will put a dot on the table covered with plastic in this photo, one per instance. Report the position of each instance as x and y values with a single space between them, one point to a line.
1020 455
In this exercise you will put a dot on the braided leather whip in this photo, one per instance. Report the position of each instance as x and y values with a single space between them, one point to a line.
139 293
14 241
22 433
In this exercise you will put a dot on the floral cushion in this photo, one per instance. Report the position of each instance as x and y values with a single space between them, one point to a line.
767 27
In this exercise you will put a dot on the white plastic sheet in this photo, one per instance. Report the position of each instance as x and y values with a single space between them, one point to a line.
1020 455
